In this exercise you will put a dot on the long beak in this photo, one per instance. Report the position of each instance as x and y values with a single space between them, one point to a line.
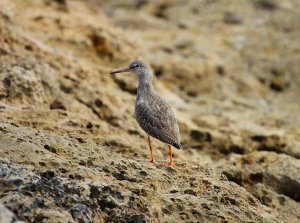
120 71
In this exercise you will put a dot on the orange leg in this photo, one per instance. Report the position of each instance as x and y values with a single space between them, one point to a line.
151 150
171 163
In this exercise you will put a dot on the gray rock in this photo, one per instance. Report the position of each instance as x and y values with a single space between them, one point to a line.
6 216
81 213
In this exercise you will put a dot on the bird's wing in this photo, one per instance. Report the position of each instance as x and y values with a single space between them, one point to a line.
158 120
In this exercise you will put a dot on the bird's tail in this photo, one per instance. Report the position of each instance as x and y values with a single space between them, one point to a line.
176 145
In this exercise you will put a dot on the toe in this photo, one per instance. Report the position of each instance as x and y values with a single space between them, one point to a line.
171 165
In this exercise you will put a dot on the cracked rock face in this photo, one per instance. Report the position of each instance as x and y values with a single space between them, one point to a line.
71 150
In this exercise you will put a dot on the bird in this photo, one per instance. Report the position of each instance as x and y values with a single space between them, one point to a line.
152 112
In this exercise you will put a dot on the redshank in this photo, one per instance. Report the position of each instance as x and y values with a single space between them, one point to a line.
152 112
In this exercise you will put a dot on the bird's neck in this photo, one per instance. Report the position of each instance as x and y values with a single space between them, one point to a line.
145 78
145 89
145 81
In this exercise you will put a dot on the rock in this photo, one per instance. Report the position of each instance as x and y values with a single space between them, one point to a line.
272 178
266 4
81 213
106 197
138 219
231 18
48 215
201 136
71 150
6 216
57 105
23 84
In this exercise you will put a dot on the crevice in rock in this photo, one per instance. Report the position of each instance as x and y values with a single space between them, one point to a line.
270 149
124 87
288 187
236 179
257 177
50 149
90 107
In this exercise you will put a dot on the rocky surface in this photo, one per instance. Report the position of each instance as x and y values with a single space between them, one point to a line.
71 151
7 216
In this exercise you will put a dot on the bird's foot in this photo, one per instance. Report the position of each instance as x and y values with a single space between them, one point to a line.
171 165
152 161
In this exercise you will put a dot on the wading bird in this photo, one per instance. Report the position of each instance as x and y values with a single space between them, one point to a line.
152 112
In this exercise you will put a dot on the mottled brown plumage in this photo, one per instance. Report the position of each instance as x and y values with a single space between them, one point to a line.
152 112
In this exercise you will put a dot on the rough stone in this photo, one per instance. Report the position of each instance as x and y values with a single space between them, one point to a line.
71 150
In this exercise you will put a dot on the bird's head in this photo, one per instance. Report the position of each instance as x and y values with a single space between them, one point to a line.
142 70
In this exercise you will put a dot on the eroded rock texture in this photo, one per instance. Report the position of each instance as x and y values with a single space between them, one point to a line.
71 151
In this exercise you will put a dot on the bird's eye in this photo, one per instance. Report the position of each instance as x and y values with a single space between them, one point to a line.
135 66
